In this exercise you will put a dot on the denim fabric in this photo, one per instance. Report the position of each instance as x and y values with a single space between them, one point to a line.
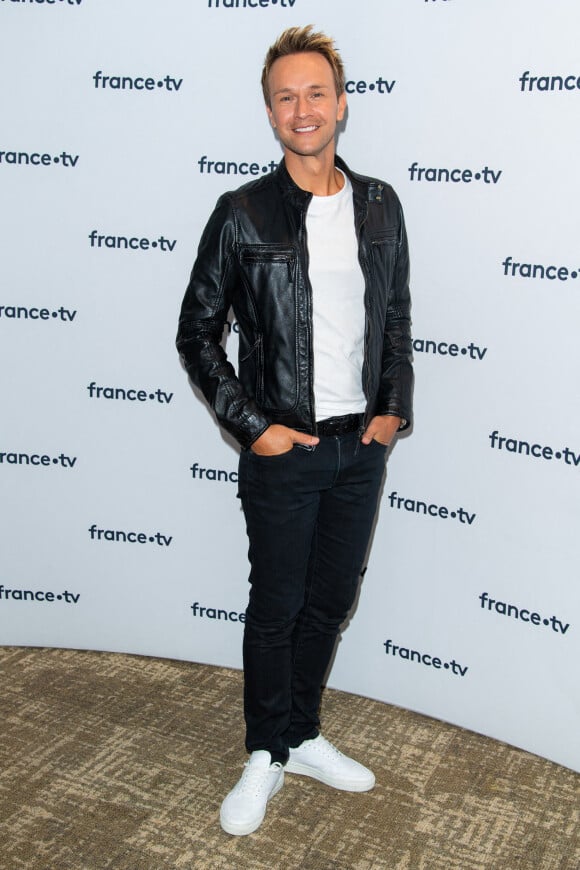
309 515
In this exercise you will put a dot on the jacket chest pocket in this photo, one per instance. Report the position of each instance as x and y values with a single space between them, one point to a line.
384 247
277 261
270 275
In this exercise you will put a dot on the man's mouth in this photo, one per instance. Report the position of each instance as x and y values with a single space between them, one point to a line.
309 129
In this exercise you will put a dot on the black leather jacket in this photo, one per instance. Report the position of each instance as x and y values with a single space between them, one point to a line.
253 256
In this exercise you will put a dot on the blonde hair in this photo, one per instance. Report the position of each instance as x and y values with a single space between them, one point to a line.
296 40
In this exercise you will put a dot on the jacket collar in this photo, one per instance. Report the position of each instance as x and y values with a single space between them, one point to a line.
365 190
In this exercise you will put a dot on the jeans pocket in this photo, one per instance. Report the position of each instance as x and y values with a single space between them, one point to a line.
271 457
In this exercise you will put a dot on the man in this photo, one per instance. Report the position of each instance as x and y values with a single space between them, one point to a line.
313 259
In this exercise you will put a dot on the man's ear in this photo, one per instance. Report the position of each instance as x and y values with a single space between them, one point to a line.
341 107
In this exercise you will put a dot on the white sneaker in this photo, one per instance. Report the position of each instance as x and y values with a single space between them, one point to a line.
321 760
245 806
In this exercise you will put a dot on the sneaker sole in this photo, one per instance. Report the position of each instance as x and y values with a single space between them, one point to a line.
334 782
240 830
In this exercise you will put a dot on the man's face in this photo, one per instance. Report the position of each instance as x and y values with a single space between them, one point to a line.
304 106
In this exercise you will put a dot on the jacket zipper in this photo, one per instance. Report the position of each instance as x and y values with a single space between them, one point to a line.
303 241
366 272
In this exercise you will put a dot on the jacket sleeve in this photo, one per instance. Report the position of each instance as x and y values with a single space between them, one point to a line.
396 387
211 290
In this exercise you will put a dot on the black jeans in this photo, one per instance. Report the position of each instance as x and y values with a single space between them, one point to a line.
309 514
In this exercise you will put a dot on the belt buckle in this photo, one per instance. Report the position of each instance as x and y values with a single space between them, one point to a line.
339 425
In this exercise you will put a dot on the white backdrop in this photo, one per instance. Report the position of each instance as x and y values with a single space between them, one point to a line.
121 124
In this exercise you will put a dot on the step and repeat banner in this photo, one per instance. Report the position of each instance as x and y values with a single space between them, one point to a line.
122 122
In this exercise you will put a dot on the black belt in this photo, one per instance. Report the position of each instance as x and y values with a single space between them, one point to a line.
340 425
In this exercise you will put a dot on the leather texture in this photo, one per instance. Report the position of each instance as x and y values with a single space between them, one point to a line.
253 258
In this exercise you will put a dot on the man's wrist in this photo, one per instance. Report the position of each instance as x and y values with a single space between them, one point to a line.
403 422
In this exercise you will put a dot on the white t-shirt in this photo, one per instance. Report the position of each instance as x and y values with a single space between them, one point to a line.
338 312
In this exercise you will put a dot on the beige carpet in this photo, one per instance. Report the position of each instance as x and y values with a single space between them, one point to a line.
113 761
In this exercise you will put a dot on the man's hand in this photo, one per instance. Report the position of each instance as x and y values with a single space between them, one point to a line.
278 439
381 429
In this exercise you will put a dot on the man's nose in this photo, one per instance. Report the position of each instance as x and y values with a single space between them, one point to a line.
302 107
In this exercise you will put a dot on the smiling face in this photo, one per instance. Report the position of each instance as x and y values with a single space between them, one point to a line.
304 106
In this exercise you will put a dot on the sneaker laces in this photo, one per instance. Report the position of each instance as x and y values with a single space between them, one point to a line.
325 747
254 779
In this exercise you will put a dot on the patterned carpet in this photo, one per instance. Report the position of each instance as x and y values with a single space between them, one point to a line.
114 761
